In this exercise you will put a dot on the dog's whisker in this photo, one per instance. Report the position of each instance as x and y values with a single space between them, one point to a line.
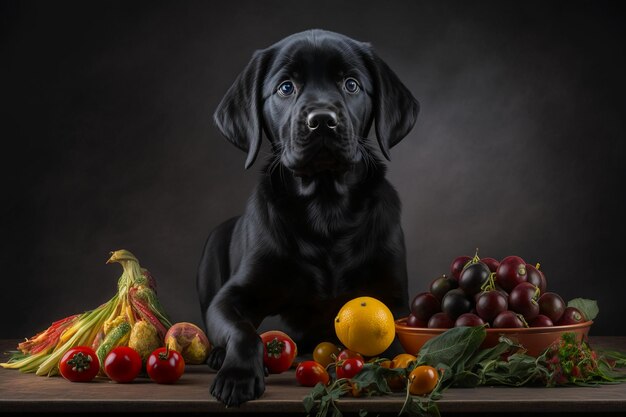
282 176
368 159
274 162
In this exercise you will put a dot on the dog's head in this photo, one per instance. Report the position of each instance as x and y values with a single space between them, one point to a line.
315 95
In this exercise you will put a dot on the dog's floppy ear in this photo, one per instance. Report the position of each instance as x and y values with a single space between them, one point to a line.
395 108
239 115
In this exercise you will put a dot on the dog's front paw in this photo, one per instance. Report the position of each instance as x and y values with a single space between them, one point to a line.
216 357
234 385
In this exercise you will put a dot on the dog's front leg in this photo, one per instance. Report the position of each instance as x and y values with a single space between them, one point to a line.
230 327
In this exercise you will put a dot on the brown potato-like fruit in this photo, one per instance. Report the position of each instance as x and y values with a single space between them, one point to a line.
190 341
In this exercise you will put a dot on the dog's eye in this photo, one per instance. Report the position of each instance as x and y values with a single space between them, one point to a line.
351 85
286 89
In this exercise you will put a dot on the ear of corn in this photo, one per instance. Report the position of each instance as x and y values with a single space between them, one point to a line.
114 338
103 328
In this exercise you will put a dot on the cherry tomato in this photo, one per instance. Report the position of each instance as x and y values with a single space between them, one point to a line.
347 353
165 366
396 382
122 364
348 368
309 373
79 364
279 351
384 364
423 380
326 353
403 360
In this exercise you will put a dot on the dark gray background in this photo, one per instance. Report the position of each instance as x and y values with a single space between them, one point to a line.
107 140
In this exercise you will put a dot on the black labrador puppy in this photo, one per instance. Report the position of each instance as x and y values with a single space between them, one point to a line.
323 224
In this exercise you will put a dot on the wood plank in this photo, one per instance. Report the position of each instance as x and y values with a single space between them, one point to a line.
27 392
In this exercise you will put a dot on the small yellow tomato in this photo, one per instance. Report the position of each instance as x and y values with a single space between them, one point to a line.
402 360
423 380
326 353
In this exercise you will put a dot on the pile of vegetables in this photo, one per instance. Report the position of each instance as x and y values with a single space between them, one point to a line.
455 359
133 318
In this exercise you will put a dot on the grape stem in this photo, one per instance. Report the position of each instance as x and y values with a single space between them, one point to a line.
472 261
490 284
523 320
536 294
476 258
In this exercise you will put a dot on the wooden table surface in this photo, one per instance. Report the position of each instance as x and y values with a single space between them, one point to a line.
27 392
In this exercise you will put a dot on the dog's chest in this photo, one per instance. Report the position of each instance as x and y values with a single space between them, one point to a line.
335 268
321 288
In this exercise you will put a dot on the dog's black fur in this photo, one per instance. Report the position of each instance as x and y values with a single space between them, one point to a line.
323 224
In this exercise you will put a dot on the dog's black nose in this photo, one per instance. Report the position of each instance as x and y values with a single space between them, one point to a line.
324 118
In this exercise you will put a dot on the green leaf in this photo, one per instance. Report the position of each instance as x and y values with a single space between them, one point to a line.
453 347
362 412
466 379
589 308
309 403
411 407
16 355
618 357
373 377
335 394
432 410
323 410
493 353
318 392
448 374
414 406
518 370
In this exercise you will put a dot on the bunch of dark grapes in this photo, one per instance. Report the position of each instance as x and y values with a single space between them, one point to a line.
509 293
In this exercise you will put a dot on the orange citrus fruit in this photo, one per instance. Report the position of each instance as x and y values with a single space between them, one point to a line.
365 325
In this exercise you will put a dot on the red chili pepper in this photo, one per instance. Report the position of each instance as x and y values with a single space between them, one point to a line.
48 338
145 312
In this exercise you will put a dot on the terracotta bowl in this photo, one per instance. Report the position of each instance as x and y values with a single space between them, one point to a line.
534 339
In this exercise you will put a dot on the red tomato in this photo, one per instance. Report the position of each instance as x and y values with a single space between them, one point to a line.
348 368
79 364
309 373
347 353
165 366
122 364
279 351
